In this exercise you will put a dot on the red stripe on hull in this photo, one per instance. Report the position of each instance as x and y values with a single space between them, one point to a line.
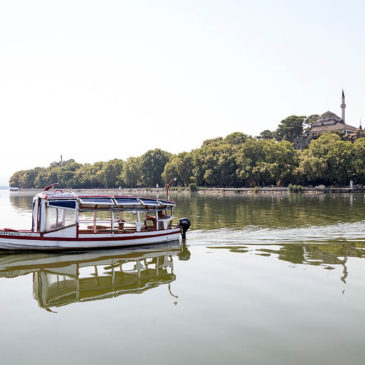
80 239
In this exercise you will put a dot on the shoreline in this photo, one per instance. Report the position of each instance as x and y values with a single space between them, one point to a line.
209 191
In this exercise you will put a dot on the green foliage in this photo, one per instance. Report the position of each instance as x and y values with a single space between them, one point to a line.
152 166
266 162
359 160
235 138
181 167
214 141
328 160
290 128
16 178
89 176
311 119
193 188
295 188
111 172
266 134
215 165
132 172
234 161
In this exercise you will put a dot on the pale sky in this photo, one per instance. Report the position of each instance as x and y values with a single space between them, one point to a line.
97 80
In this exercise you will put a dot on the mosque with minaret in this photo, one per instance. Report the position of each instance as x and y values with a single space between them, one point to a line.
330 122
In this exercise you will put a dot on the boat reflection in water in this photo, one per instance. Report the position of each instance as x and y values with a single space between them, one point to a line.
62 279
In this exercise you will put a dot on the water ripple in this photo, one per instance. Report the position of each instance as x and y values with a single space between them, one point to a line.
257 235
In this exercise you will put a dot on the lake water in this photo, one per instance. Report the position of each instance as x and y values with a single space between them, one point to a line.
261 279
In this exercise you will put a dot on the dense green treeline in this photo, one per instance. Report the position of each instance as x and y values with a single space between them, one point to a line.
235 161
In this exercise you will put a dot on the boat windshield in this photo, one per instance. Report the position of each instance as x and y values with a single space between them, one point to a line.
57 218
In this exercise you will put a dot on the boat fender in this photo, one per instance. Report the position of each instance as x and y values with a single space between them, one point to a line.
184 224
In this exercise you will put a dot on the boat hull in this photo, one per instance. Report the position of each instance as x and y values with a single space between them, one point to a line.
18 240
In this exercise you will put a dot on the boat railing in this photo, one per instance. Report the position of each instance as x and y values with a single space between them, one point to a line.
105 225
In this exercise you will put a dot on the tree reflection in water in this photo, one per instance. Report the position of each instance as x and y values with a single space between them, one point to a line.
65 278
326 255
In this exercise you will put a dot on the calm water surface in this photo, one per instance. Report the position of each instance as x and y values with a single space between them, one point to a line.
261 280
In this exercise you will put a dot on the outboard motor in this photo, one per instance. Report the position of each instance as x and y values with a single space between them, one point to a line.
184 224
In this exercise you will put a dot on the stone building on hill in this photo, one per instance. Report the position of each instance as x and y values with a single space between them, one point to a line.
329 122
326 123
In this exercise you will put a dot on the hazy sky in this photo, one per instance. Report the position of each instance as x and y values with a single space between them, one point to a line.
97 80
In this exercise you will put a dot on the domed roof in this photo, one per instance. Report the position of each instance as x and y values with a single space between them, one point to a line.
329 115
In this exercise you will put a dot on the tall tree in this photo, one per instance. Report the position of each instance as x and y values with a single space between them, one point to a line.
131 172
152 165
181 167
290 128
266 162
266 134
111 172
311 119
328 160
236 138
359 160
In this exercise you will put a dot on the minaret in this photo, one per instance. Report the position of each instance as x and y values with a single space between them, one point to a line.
343 106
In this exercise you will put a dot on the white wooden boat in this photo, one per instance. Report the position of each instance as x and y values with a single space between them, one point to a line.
69 221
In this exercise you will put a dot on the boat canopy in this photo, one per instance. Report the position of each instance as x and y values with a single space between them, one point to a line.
68 200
